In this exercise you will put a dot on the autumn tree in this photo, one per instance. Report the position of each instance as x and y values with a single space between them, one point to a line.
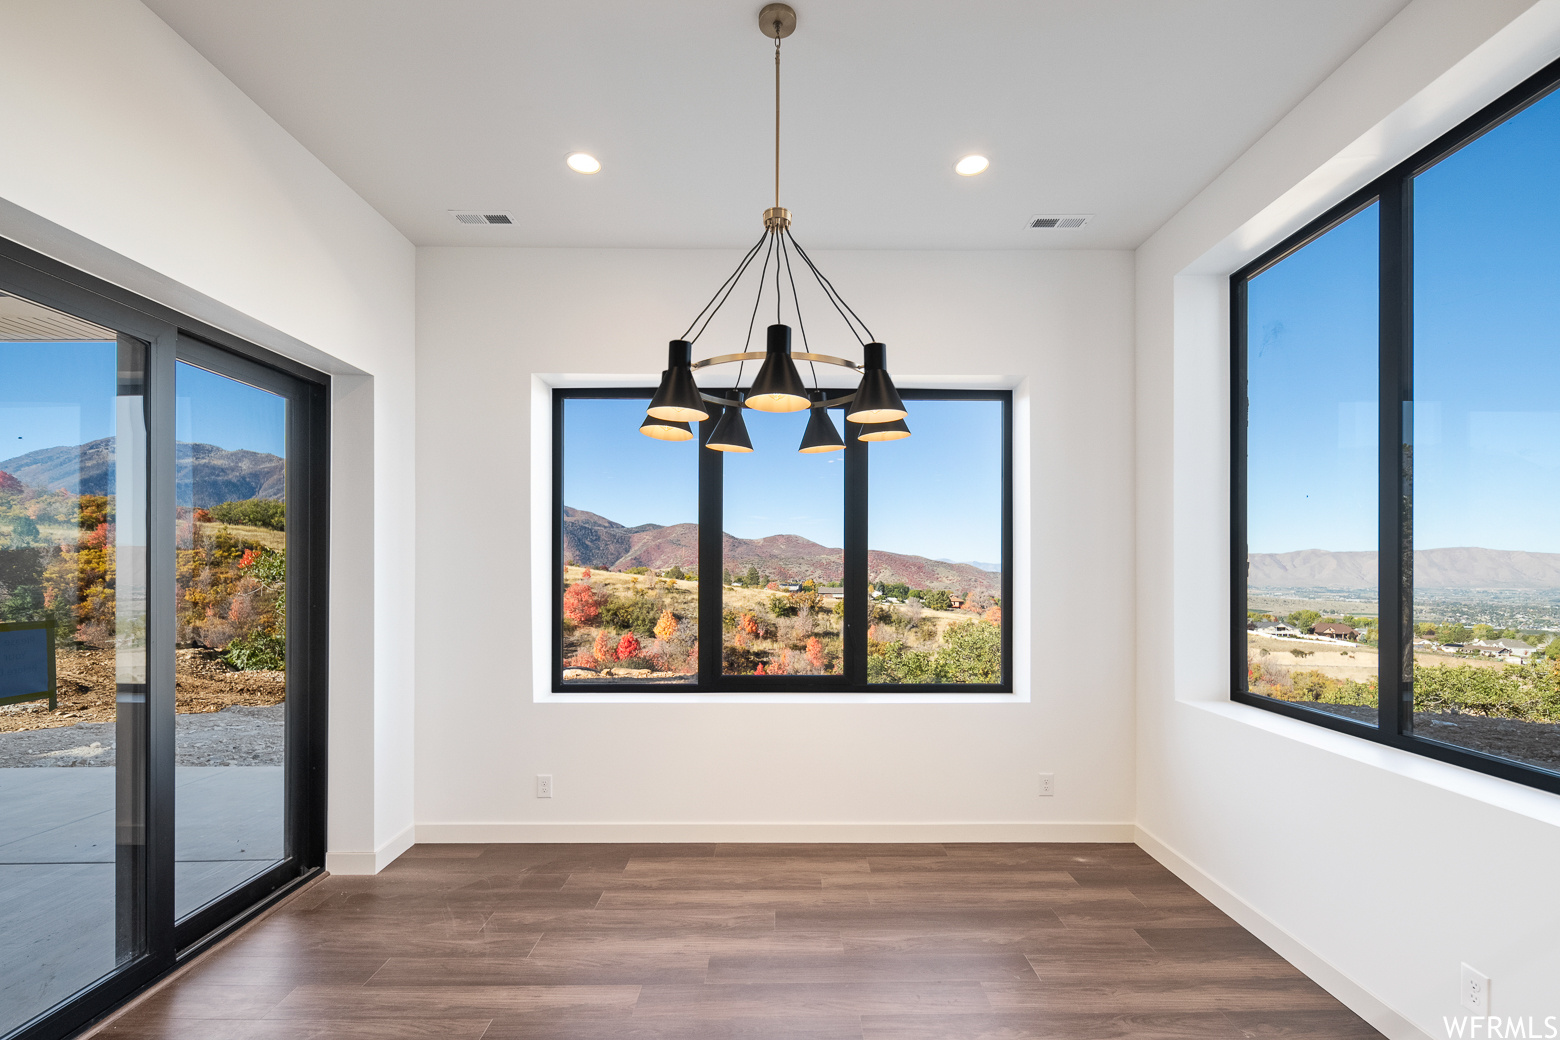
749 624
627 647
585 574
603 648
994 616
815 652
666 628
580 605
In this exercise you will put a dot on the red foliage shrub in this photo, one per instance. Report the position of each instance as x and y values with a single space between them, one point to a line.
748 623
759 670
815 652
203 516
585 574
994 616
100 536
580 605
627 647
603 648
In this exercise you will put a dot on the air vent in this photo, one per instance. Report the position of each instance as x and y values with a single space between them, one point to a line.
469 217
1059 221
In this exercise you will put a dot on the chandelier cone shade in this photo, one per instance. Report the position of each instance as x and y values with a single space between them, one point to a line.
666 429
876 399
778 387
821 436
730 433
677 398
893 430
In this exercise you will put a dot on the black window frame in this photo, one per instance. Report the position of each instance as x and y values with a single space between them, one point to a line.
711 504
169 337
1394 191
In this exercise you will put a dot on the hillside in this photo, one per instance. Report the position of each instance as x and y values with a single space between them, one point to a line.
595 541
88 469
1454 568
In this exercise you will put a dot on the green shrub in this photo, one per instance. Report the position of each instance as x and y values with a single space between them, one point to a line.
258 651
635 614
252 512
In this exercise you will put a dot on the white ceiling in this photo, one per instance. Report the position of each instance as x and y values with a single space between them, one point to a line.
1120 108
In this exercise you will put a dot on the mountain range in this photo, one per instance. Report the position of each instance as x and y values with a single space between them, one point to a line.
595 541
1457 568
204 474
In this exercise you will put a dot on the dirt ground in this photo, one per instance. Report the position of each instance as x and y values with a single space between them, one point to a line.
85 680
1337 661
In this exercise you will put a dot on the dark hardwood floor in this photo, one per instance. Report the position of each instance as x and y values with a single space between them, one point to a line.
759 942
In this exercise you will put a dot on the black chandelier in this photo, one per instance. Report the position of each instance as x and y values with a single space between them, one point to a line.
778 387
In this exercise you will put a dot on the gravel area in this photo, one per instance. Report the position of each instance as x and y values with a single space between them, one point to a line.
238 735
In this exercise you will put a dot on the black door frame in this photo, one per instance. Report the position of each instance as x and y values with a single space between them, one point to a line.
170 336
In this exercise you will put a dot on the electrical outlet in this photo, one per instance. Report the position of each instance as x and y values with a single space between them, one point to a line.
1475 990
543 785
1047 784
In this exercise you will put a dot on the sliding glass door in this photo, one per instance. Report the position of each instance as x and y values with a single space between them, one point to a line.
73 656
161 640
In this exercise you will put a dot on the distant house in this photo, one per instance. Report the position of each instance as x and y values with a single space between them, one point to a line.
1515 648
791 586
1335 630
1273 629
832 592
957 601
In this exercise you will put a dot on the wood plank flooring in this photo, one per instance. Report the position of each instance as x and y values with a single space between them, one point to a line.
746 942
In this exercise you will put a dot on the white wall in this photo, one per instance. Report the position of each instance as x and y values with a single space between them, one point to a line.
490 319
1376 871
126 154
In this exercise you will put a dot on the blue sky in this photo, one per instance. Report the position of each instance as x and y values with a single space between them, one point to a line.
214 409
63 393
937 493
1487 339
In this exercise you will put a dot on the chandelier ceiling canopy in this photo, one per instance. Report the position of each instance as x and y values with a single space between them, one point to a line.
778 386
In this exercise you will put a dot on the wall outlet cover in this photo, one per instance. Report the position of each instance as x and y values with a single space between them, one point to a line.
1047 785
543 785
1475 990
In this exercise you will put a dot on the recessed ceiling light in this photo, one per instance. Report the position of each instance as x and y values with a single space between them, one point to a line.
970 165
579 162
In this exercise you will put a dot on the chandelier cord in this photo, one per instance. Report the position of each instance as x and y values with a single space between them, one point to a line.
831 292
757 300
736 279
731 281
779 297
796 302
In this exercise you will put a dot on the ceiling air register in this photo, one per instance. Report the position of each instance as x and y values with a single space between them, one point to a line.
778 387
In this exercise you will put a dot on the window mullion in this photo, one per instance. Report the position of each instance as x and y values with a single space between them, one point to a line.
855 582
1395 527
712 497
